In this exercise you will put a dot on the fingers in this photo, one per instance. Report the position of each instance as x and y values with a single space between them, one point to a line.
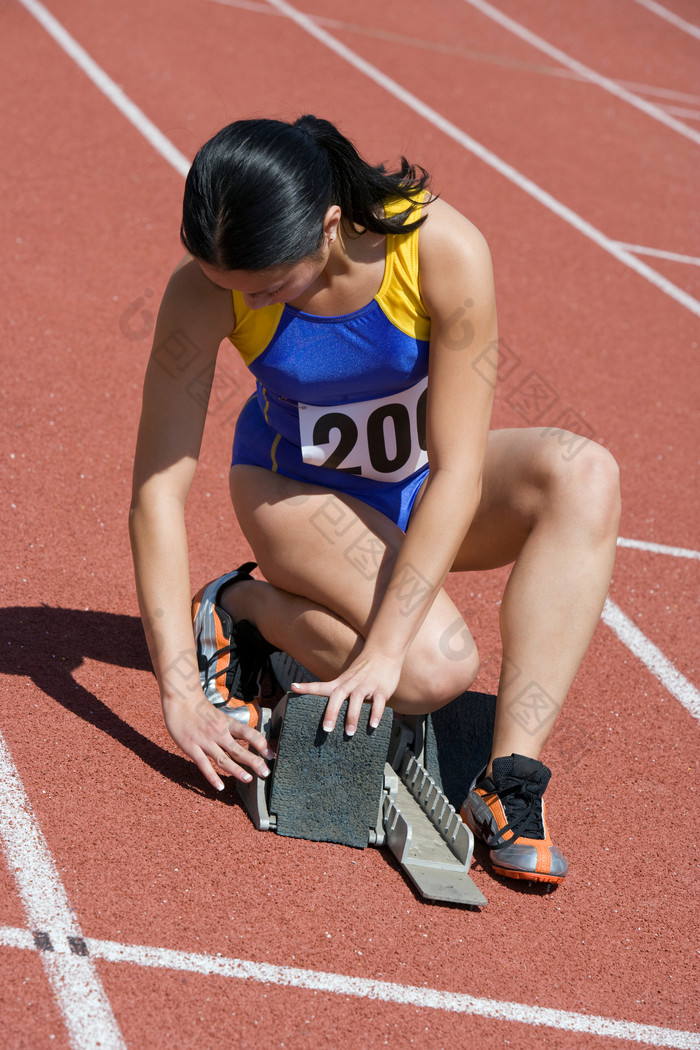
379 703
337 693
314 688
355 702
231 756
234 752
216 742
233 759
207 770
258 740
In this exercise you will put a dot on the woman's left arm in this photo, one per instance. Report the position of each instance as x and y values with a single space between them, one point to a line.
457 289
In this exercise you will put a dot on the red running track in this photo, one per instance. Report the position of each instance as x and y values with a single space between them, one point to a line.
147 859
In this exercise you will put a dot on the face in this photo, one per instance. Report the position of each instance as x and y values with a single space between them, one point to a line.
260 288
279 284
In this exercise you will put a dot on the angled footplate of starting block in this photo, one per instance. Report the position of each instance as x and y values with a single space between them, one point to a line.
327 787
368 789
428 838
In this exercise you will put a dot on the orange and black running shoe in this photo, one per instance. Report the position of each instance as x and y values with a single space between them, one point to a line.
507 811
231 656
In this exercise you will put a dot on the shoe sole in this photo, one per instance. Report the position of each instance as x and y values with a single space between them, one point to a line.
512 873
531 876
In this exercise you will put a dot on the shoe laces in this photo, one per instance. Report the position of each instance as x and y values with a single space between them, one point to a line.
240 672
521 798
251 653
209 669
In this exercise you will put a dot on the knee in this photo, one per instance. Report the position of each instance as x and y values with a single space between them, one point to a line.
443 669
585 486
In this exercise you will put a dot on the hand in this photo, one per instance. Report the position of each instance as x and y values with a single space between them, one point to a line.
208 736
371 678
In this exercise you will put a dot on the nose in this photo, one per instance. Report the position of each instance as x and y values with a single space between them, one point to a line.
257 300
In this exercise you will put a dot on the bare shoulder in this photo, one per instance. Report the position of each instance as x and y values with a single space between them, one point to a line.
193 302
446 229
454 256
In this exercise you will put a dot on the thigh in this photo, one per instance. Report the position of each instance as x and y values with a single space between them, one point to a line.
325 546
339 553
520 469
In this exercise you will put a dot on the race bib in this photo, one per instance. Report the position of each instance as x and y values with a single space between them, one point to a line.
382 439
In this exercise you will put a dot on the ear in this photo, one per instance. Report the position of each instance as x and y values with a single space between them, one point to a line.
331 221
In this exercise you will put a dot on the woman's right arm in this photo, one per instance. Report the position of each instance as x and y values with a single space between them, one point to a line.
194 317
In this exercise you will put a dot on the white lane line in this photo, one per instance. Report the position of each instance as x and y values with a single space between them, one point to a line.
429 114
660 253
658 548
366 988
505 169
586 72
80 995
652 658
11 937
667 93
179 162
451 49
680 111
670 16
73 977
105 83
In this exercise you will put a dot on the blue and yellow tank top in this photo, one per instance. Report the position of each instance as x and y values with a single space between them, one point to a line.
349 391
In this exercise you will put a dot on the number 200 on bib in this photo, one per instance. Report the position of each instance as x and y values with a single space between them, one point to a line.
382 439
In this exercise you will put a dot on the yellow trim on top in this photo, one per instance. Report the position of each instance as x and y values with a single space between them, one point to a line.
254 328
273 449
263 391
399 296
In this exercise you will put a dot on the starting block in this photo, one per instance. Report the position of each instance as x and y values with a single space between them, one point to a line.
380 787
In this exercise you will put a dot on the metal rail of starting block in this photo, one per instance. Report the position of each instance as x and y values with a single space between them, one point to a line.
415 821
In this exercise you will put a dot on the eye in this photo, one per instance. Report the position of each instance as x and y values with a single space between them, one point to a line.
267 292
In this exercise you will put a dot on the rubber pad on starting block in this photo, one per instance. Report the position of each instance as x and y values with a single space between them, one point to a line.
327 787
458 740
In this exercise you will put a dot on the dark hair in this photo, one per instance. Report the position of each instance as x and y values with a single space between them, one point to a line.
257 192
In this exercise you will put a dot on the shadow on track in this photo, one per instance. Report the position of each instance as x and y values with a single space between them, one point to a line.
48 644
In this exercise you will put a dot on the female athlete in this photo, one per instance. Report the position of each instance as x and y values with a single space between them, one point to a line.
363 472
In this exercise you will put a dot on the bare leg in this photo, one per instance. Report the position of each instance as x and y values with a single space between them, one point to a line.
326 559
296 626
558 518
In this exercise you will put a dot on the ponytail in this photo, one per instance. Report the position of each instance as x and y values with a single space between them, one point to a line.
257 193
360 188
